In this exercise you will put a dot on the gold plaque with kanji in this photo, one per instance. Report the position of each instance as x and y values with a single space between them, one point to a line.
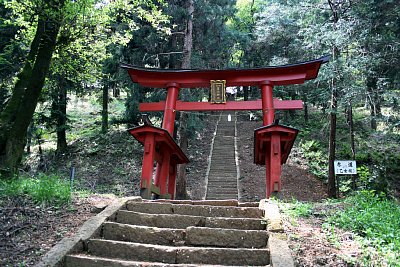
218 91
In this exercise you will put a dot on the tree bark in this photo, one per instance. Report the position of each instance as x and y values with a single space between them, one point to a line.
332 143
16 117
373 101
352 143
332 186
181 192
246 90
306 116
62 119
104 112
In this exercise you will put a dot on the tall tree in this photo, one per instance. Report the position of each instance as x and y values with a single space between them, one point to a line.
181 192
17 114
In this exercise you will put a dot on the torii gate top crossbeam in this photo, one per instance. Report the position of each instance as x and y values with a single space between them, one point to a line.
277 75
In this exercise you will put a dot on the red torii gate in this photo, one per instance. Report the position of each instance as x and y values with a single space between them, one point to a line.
272 142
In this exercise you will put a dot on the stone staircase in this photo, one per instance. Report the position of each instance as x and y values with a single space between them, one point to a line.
223 176
177 233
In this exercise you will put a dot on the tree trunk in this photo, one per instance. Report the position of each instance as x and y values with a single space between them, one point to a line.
332 143
373 101
181 192
352 143
181 181
104 112
332 188
306 113
246 90
62 119
16 117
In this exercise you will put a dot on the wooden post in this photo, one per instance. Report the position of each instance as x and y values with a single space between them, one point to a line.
164 173
275 163
172 180
267 102
147 166
170 108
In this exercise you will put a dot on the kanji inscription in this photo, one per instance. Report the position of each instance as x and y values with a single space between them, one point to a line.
218 91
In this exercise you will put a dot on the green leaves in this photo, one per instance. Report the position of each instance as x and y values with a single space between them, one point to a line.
376 218
42 189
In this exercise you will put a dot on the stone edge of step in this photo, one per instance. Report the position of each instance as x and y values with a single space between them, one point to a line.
280 254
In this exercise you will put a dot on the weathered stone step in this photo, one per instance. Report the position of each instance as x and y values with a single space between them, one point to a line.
159 220
196 210
179 255
222 192
220 196
219 176
221 183
229 238
143 234
184 221
228 202
191 236
227 168
83 260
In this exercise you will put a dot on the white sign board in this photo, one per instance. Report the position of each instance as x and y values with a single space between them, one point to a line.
345 167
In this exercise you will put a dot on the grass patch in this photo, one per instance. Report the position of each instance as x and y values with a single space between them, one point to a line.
43 188
376 220
296 209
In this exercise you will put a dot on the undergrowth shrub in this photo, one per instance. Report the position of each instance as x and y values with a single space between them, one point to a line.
317 158
377 220
43 188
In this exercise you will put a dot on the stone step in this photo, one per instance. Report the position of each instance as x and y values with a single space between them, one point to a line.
229 238
159 220
223 192
228 202
221 196
196 210
224 165
184 221
179 255
191 236
222 182
221 174
143 234
223 179
226 176
220 189
83 260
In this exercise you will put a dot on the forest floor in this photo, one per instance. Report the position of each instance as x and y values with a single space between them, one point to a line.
111 163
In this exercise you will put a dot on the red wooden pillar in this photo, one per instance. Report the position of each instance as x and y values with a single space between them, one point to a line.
172 179
164 173
267 102
170 108
147 166
275 166
168 124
